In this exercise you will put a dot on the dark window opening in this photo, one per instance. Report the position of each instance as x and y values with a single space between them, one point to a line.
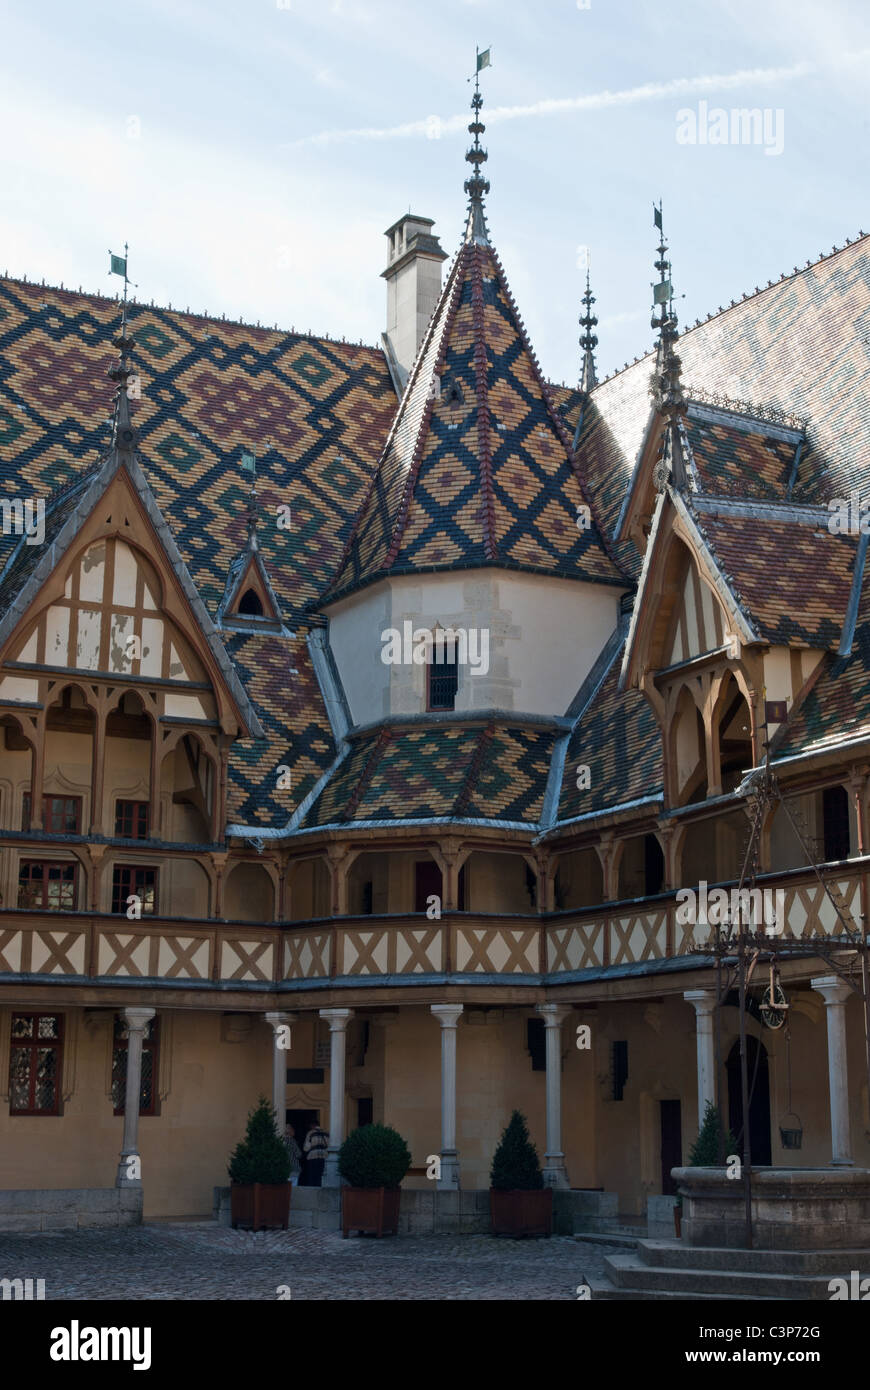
536 1042
442 677
148 1086
835 819
427 884
365 1111
131 820
35 1064
61 815
129 880
452 394
251 602
618 1068
461 891
653 866
47 885
531 885
367 898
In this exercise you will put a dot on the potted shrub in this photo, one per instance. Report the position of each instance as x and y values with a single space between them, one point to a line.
712 1145
259 1168
372 1160
519 1203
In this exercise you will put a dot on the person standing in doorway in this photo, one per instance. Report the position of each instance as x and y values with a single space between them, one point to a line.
315 1146
295 1153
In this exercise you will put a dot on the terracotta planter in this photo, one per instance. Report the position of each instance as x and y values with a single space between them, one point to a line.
370 1210
520 1213
260 1205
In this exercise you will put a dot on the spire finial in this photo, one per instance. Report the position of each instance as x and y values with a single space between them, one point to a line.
588 340
476 186
127 382
666 387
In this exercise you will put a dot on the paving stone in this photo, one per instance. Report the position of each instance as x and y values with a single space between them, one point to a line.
205 1261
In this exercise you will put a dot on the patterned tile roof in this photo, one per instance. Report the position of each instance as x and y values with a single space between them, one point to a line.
492 772
617 738
792 580
837 708
479 467
314 412
745 462
799 345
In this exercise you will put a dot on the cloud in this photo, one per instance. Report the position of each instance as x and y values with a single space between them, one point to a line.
593 101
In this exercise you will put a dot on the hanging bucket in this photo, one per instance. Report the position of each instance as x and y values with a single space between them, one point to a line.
792 1138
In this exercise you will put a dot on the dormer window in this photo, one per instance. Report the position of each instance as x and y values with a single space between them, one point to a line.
452 394
250 602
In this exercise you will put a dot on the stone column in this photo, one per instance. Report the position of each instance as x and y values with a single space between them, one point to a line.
136 1021
835 992
279 1065
448 1015
555 1172
704 1002
338 1020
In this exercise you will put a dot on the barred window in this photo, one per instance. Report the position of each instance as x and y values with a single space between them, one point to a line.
35 1064
442 677
48 885
130 879
148 1087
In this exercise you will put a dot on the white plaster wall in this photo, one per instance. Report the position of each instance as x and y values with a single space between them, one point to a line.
544 637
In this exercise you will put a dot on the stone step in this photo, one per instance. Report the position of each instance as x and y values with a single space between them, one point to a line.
606 1238
674 1254
602 1290
629 1271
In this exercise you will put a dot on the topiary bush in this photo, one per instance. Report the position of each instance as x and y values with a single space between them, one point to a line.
374 1156
515 1165
705 1152
262 1155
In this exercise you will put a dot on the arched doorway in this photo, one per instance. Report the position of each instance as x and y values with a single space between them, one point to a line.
759 1099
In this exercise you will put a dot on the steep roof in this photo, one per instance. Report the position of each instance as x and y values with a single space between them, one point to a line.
479 467
798 346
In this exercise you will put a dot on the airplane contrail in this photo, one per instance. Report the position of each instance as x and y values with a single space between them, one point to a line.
436 126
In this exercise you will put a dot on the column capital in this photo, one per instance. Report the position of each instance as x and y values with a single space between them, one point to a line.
832 989
703 1000
338 1019
277 1019
448 1014
138 1018
553 1014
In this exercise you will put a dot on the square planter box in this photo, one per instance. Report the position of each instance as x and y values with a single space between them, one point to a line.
370 1210
260 1205
521 1213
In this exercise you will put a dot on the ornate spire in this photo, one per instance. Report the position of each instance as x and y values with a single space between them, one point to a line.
588 341
476 186
666 386
124 437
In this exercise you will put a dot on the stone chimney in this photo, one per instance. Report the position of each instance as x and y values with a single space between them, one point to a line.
413 277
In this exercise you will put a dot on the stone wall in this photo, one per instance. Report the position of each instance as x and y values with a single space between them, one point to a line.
69 1208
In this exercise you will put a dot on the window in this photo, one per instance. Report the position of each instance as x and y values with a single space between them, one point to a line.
536 1043
618 1068
148 1087
131 820
250 602
48 885
61 815
442 676
35 1064
129 880
835 821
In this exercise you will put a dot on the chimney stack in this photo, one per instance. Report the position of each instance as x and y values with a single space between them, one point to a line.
413 277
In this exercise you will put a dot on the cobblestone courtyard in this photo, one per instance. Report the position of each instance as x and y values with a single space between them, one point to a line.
202 1261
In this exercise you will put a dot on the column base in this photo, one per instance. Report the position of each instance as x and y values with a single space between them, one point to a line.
449 1180
842 1163
555 1173
122 1179
331 1175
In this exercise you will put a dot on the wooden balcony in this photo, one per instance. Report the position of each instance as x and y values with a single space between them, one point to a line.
522 948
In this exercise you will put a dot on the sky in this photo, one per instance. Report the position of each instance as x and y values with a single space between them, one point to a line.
253 152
